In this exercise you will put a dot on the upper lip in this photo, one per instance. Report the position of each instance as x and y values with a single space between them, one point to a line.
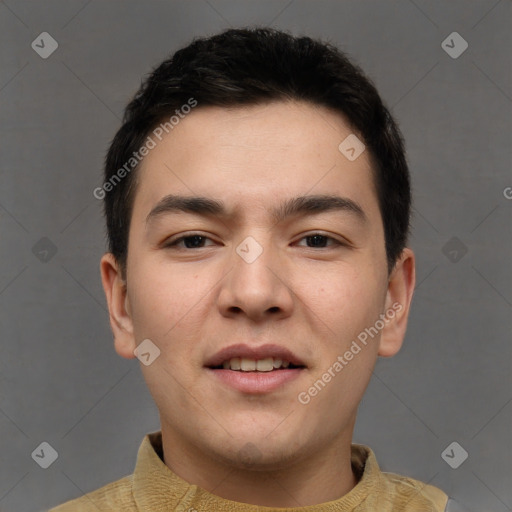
248 352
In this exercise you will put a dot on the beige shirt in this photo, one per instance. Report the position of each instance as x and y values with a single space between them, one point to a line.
153 487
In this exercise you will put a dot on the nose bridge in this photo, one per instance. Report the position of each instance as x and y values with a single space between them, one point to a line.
254 285
253 257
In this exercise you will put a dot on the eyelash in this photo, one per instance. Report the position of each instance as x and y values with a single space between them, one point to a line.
174 243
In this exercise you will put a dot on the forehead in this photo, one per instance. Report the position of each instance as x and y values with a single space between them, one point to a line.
298 128
256 155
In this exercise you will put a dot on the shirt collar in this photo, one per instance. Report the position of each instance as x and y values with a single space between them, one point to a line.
158 489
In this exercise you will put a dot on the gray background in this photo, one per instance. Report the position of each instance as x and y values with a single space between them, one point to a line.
60 379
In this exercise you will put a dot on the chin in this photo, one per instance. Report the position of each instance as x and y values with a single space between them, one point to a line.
255 452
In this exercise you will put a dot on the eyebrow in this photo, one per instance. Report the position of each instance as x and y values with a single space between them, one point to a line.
301 205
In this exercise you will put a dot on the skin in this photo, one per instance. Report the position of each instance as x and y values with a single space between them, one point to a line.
314 300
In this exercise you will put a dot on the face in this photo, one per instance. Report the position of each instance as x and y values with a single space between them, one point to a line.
255 274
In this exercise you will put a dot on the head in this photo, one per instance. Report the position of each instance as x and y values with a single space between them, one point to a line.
234 142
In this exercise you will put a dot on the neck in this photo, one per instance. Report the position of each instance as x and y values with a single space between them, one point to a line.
323 475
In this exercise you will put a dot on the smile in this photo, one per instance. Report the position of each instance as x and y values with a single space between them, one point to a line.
244 364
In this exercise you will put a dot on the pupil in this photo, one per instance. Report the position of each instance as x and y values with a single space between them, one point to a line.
317 238
198 239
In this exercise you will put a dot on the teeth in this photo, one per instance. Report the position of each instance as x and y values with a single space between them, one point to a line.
234 364
250 365
265 365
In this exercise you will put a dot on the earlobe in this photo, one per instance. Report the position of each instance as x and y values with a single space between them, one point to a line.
118 306
398 302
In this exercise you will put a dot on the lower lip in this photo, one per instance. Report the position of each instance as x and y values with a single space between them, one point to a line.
256 382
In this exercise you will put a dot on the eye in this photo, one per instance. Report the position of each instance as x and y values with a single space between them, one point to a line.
190 241
199 241
319 241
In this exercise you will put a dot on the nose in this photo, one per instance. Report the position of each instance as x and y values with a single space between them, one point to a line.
257 284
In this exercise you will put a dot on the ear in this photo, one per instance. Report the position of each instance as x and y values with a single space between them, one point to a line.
398 302
118 306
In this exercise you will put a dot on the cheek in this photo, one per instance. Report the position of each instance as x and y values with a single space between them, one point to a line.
170 307
348 304
162 297
167 308
348 300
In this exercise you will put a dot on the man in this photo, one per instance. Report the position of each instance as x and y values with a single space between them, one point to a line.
257 200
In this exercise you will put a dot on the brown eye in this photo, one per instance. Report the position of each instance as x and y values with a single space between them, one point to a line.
320 241
193 241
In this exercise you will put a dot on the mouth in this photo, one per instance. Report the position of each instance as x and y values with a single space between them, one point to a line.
244 364
255 370
249 358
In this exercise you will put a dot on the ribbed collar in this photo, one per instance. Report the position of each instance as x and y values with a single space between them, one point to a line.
158 489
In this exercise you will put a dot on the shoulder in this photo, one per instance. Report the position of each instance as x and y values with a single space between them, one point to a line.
109 498
412 495
391 492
